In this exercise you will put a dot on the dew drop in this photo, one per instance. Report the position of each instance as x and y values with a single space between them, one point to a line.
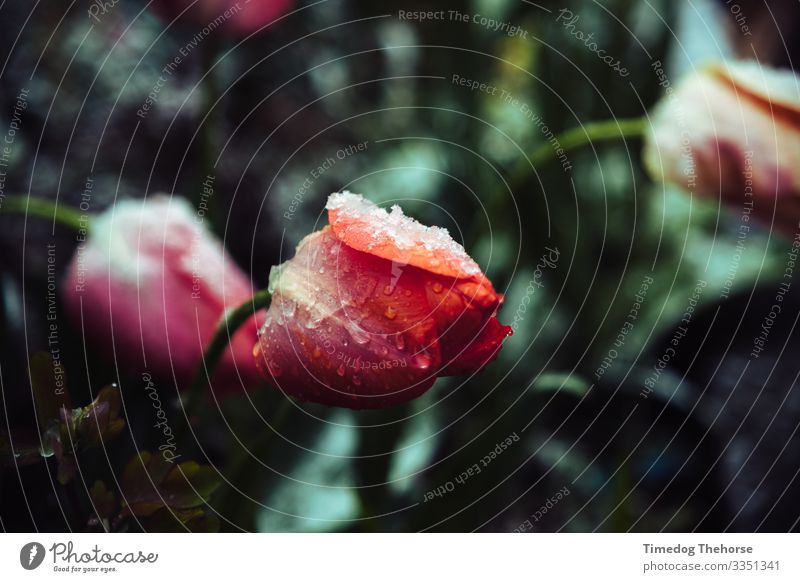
422 361
289 308
384 351
340 370
356 379
313 321
437 287
387 290
359 335
274 369
407 292
316 353
390 312
399 341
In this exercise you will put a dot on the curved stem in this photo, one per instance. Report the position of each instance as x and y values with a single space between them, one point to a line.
596 131
571 139
231 322
43 208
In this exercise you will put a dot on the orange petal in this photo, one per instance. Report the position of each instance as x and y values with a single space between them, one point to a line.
366 227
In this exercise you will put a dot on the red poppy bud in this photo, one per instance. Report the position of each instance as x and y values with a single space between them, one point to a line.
373 308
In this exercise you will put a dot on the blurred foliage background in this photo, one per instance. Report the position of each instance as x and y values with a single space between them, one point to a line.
713 447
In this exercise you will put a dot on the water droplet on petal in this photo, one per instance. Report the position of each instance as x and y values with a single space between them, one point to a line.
345 343
437 287
313 321
422 361
359 335
356 379
321 270
390 312
340 370
407 292
274 369
384 351
387 290
316 353
399 341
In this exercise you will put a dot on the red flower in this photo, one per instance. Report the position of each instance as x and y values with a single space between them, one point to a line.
373 308
239 18
732 132
149 287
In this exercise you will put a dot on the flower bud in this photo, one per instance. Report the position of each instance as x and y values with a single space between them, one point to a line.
732 131
373 308
149 287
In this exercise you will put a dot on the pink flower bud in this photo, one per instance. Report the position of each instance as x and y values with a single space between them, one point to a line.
149 287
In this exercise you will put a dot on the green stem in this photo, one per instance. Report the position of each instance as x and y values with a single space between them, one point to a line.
43 208
589 133
231 322
227 503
